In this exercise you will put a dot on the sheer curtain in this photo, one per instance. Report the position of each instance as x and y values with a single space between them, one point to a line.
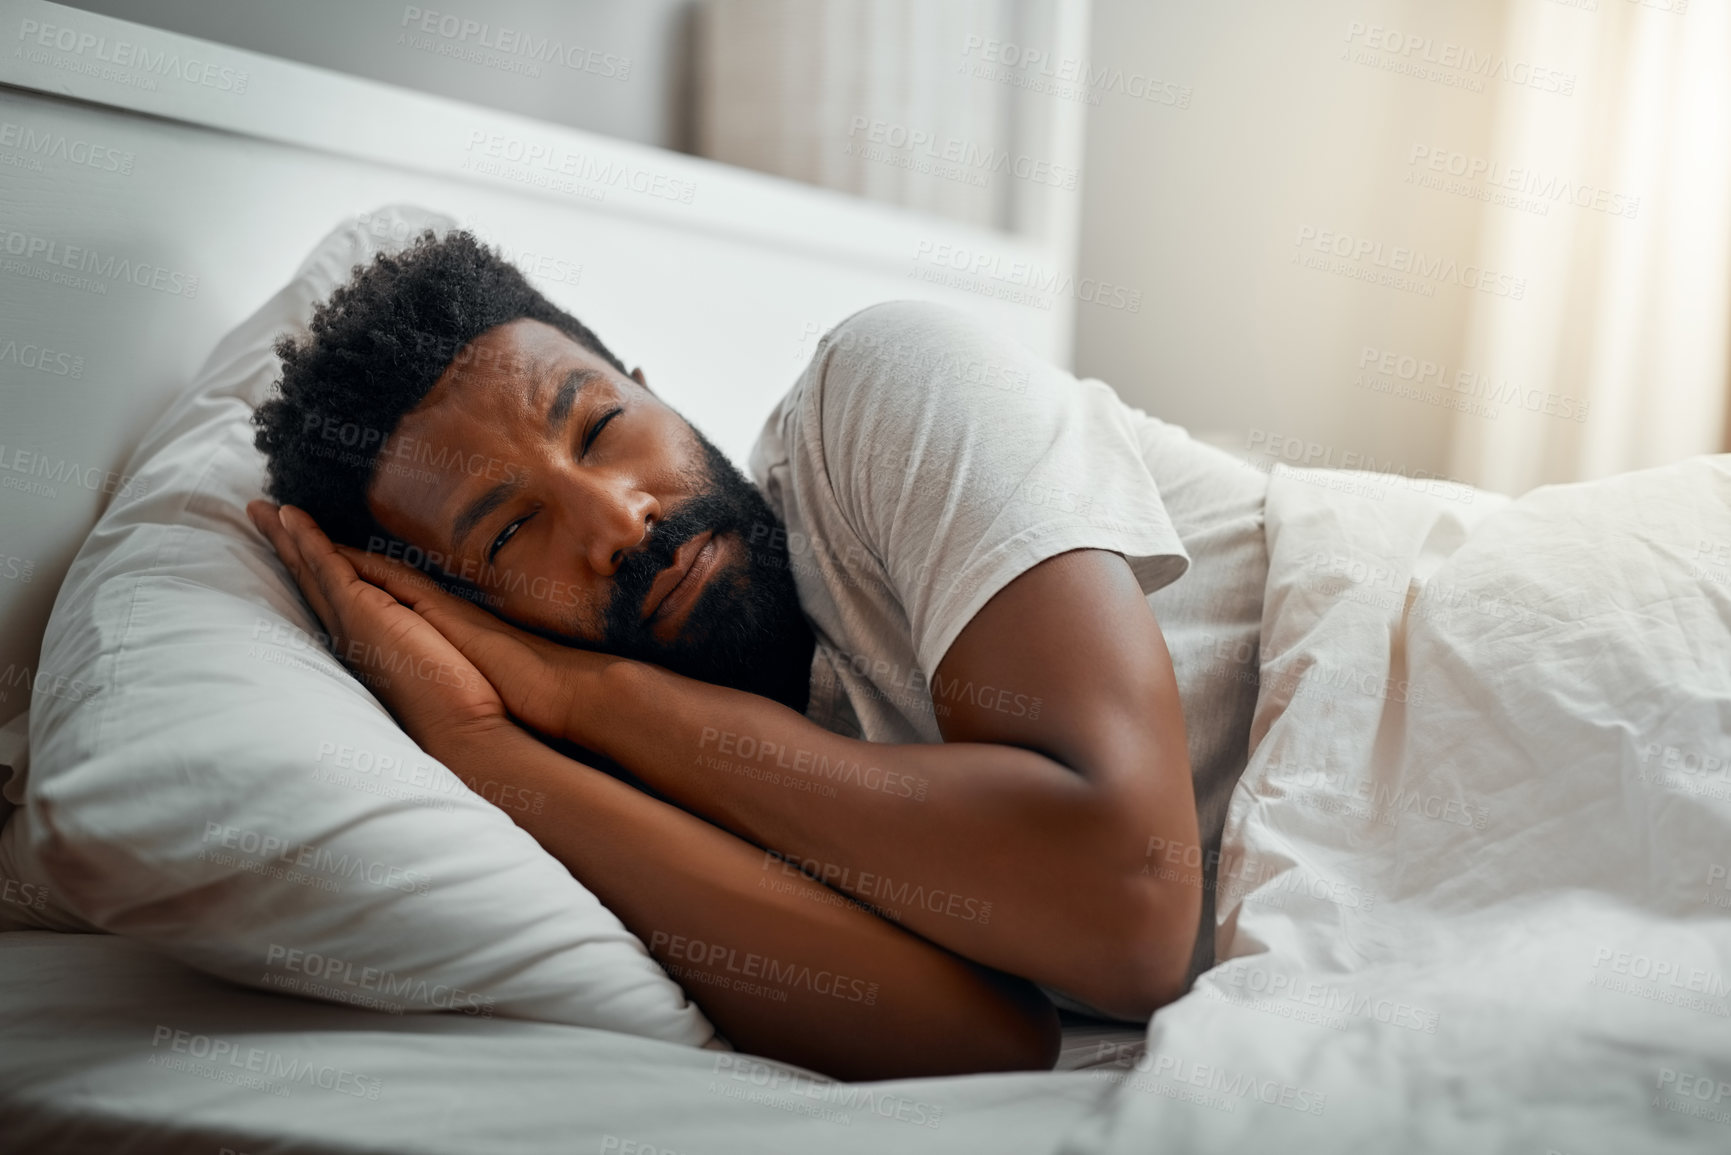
880 98
1634 326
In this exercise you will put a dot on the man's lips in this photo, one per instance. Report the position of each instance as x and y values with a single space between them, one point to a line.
679 582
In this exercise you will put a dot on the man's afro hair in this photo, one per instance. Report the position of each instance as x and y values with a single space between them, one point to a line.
374 351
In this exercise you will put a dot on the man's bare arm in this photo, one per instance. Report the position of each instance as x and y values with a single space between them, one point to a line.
784 967
1045 817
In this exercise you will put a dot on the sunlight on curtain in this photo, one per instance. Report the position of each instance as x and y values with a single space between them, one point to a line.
1634 326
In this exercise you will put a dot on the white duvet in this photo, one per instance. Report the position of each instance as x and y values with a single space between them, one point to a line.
1474 892
1475 895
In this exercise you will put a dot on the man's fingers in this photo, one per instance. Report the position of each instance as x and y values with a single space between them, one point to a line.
456 617
401 580
270 522
500 650
329 573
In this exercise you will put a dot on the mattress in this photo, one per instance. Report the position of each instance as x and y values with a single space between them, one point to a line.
107 1046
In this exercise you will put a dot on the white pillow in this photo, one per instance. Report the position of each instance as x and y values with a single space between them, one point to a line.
223 788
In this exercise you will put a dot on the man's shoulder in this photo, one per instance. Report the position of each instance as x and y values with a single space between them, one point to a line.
897 329
888 372
908 355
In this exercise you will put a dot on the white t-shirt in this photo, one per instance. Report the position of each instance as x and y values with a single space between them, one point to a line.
924 459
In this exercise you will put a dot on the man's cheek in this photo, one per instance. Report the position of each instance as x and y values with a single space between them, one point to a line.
554 607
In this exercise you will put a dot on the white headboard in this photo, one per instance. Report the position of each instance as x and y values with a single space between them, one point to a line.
155 189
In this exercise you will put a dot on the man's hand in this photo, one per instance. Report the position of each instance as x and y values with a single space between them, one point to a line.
435 693
544 684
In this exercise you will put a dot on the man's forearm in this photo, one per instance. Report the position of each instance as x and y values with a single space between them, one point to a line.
1000 853
788 970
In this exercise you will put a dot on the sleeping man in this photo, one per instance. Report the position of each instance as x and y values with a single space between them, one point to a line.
923 731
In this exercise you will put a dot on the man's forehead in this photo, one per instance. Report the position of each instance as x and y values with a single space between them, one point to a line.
518 355
496 377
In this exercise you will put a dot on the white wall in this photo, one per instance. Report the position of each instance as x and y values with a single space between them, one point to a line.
629 81
1198 208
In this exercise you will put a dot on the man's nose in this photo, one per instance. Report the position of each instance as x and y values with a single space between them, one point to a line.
612 518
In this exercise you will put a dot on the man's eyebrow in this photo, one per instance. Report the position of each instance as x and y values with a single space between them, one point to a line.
558 413
481 507
566 397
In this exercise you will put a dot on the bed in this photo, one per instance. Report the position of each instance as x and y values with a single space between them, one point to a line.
159 190
1474 879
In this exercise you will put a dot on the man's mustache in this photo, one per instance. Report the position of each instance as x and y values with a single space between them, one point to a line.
638 571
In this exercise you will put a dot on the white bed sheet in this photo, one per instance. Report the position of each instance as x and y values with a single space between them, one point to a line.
1482 851
91 1061
1475 873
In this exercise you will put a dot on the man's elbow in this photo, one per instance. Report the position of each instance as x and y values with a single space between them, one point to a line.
1033 1037
1018 1030
1145 954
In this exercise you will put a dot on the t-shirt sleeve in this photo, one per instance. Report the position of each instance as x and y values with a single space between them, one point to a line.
961 459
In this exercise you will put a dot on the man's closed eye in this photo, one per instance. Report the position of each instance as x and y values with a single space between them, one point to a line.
589 437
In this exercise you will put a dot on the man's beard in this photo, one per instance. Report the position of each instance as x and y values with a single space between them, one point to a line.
746 630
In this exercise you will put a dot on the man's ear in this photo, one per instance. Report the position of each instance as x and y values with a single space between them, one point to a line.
637 376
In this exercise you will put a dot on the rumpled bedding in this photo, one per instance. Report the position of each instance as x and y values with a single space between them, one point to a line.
1474 897
1474 888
